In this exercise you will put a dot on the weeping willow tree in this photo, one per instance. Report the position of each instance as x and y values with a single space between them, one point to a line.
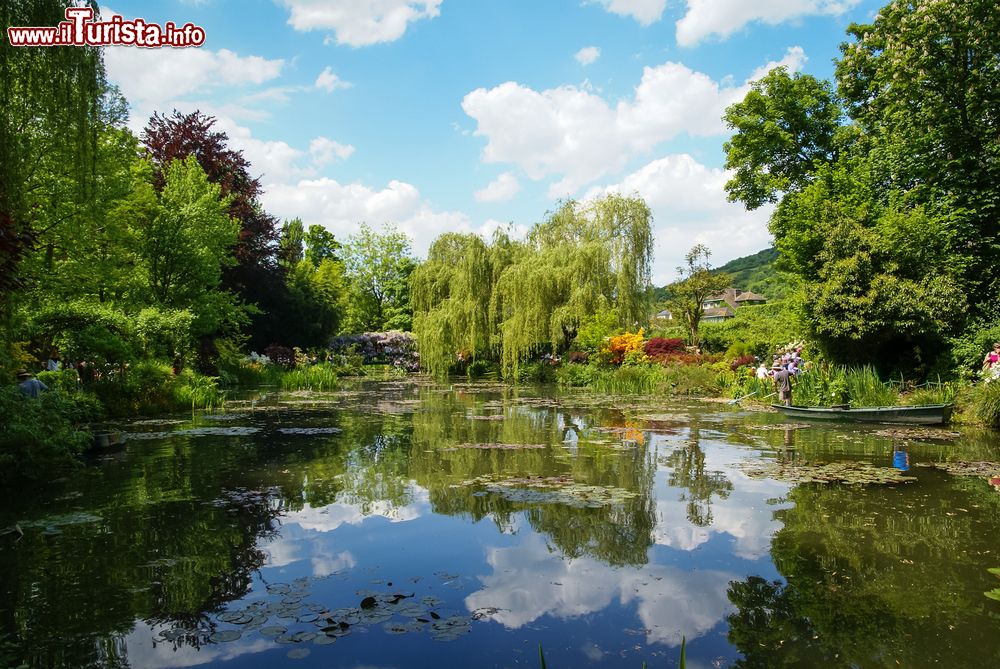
50 103
502 301
583 259
454 310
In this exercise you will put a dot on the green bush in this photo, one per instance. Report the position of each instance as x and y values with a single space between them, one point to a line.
151 387
65 380
535 372
574 375
39 437
986 403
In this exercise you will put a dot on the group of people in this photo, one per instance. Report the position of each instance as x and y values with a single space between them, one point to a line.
784 367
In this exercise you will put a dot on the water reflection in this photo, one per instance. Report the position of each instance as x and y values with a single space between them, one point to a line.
625 526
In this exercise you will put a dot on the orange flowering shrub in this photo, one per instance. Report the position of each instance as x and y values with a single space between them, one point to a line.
620 345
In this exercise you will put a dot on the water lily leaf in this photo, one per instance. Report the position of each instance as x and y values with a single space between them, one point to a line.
225 635
369 603
298 653
275 630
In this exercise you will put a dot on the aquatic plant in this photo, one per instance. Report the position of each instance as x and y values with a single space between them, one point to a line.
986 403
312 377
866 389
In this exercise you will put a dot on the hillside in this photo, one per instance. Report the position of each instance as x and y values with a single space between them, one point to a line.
755 273
758 274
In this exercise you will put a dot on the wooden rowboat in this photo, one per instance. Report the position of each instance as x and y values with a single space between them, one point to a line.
927 414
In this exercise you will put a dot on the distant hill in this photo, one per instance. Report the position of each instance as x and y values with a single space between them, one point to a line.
755 273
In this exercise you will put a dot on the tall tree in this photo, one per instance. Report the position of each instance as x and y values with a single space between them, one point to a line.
455 308
50 112
785 129
256 276
697 284
320 245
379 265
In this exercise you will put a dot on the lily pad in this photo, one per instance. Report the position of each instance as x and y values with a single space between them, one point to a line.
965 467
274 630
309 430
298 653
857 473
502 447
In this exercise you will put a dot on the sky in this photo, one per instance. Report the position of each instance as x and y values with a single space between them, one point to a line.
467 115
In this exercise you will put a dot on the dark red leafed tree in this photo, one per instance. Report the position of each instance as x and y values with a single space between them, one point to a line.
257 276
167 138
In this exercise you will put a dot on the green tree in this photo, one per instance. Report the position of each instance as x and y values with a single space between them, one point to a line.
320 245
291 243
379 265
454 307
697 283
581 260
187 243
785 129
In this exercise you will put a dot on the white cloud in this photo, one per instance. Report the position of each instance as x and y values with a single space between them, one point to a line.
529 581
689 206
724 17
324 150
504 187
329 82
646 12
360 23
579 136
149 77
341 206
587 55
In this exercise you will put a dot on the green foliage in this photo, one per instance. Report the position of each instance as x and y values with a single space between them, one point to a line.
969 348
595 329
455 309
866 389
785 128
581 260
63 380
311 377
697 283
507 301
39 437
986 403
758 329
150 387
888 216
378 265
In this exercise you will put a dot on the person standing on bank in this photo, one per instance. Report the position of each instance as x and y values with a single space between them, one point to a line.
783 381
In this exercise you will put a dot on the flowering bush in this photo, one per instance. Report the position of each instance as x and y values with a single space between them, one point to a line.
395 348
741 361
658 348
578 356
280 355
620 345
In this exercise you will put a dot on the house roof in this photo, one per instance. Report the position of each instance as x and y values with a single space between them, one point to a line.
748 297
718 312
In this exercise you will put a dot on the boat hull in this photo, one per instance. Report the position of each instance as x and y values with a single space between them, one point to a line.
928 414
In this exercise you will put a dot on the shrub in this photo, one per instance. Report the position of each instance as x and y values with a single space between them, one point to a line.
620 345
742 361
577 357
38 437
986 403
659 348
576 376
281 356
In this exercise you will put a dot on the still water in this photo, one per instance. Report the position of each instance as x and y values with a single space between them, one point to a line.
407 524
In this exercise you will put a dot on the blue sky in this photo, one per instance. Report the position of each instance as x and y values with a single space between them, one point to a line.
466 115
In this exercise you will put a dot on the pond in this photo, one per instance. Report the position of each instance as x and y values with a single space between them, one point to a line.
410 524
